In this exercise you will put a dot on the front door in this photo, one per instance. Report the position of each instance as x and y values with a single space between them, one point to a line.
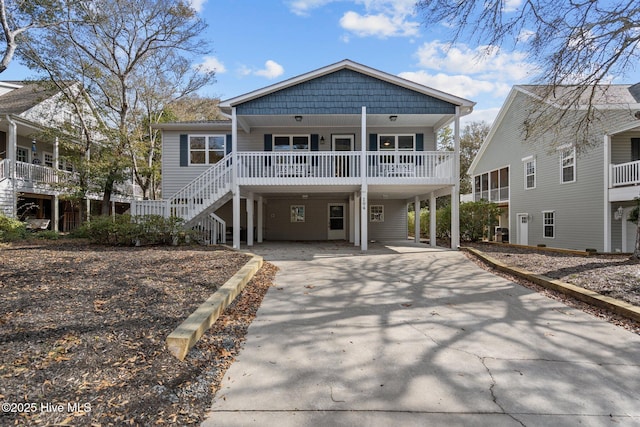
336 222
523 229
342 162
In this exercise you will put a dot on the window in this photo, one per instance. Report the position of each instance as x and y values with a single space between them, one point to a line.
48 160
635 149
530 174
291 142
376 213
206 149
297 213
22 155
568 165
396 142
549 224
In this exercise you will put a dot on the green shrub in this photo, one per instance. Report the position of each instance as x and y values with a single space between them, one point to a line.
125 230
47 235
11 229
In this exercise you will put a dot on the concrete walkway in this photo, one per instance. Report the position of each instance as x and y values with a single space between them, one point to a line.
406 335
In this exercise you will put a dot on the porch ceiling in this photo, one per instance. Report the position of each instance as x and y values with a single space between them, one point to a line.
346 120
392 192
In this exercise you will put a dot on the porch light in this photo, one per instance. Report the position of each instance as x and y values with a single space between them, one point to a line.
386 143
322 140
33 145
298 118
618 213
393 118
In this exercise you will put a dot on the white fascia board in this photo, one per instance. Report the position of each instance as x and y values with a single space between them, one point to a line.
496 124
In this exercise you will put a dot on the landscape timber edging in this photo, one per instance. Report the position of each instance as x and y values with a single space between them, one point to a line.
590 297
187 334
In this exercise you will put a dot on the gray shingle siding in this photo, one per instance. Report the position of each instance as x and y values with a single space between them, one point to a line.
345 92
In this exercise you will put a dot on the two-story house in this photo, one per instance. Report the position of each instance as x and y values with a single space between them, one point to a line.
556 194
336 153
34 166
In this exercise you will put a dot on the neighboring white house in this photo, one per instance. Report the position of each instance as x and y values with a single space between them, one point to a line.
336 153
31 166
553 194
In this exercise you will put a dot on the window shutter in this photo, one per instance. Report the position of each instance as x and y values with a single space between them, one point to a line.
314 142
184 150
373 142
419 142
635 149
229 144
268 142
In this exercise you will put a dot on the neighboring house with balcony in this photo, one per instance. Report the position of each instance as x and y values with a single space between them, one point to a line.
336 153
32 167
552 194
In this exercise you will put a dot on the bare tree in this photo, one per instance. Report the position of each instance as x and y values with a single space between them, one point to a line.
116 50
578 45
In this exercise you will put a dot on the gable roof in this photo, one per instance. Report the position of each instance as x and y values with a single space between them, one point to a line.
466 105
619 96
26 96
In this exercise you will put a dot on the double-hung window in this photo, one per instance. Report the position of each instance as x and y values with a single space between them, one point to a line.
291 143
529 173
549 224
206 149
568 165
22 155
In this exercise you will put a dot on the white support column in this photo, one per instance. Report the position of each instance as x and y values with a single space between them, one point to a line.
432 220
56 202
364 221
55 226
250 220
455 190
236 219
416 227
12 148
356 220
606 204
235 188
352 221
260 218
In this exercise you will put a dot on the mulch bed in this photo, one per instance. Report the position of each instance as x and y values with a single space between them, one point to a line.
83 329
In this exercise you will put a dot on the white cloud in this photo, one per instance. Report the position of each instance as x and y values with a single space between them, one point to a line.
378 25
512 5
211 63
489 62
459 85
197 5
271 70
487 115
302 7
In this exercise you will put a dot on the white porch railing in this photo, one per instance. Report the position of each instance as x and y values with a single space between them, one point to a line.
37 173
4 169
210 229
318 166
500 194
426 164
313 164
625 174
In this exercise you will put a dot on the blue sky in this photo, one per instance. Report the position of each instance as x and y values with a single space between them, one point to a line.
260 42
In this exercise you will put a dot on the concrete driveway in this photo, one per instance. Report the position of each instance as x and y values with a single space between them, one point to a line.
405 335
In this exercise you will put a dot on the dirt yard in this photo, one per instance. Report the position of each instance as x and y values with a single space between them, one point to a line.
82 332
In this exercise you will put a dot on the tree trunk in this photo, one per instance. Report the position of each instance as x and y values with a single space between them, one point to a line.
636 251
106 198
